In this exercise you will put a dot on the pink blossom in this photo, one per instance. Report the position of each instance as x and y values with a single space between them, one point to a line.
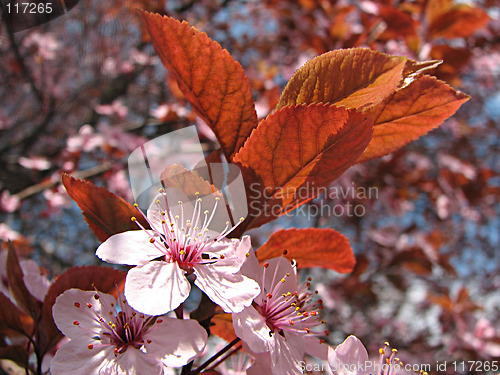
8 202
107 336
351 358
284 319
175 248
34 277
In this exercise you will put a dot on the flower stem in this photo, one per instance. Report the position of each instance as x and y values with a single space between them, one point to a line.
218 362
215 356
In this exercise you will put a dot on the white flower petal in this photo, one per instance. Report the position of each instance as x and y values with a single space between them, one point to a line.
156 288
72 307
278 268
347 357
176 341
134 362
261 365
76 358
234 252
287 354
131 248
315 348
35 279
232 292
251 327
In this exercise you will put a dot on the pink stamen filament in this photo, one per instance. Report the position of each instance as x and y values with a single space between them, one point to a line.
185 245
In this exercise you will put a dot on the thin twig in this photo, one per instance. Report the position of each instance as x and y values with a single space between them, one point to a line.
48 184
232 352
215 356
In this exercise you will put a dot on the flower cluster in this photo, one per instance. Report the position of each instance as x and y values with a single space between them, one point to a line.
277 318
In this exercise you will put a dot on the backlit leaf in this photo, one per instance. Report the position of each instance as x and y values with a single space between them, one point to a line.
176 176
212 81
410 113
311 247
356 78
460 21
298 149
105 213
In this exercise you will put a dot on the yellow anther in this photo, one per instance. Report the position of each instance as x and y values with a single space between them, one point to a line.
182 252
283 280
217 198
206 212
242 219
157 201
386 343
133 218
247 255
179 202
198 200
163 221
197 193
136 205
381 351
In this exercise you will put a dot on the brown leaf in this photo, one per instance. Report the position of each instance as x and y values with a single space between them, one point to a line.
15 353
212 81
460 21
357 78
104 279
105 213
15 278
436 8
298 149
10 315
311 247
410 113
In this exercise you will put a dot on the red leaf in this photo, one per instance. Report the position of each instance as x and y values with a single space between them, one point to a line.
10 315
298 149
311 247
355 78
459 21
105 213
214 84
17 354
410 113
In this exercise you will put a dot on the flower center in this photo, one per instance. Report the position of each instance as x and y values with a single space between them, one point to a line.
122 327
295 312
184 238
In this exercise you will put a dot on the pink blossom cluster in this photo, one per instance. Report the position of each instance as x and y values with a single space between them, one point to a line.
277 318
